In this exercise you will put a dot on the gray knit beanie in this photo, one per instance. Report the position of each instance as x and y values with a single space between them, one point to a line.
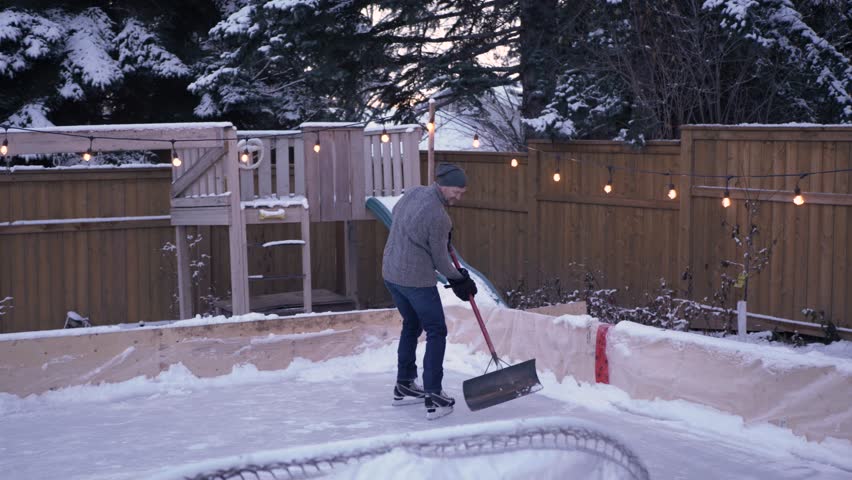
449 175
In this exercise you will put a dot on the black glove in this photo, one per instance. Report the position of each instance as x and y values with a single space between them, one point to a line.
464 287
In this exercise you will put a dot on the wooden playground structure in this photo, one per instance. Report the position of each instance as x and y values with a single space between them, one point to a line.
323 172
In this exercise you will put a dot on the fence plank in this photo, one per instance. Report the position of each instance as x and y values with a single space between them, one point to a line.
378 166
264 171
282 166
396 161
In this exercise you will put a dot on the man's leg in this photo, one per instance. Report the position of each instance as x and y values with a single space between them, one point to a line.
411 330
427 303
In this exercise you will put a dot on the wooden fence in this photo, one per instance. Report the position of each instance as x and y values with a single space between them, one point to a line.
514 224
517 223
98 242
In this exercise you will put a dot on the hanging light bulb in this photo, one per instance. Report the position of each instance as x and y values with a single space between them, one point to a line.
726 200
87 155
4 149
430 127
514 162
608 186
556 176
475 140
385 136
245 157
176 161
672 192
317 146
798 199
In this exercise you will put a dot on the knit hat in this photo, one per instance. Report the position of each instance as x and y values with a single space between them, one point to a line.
449 175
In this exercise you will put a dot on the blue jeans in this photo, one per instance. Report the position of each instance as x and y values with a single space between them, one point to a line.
421 310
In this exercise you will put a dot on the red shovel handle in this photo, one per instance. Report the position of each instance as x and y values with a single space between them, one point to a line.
476 312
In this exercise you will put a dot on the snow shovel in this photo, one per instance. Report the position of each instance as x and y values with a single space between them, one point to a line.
506 382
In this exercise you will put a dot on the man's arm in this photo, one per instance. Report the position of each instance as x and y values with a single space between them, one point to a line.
439 233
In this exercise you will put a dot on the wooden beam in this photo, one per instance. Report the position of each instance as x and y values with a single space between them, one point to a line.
836 133
350 262
609 201
237 229
64 175
183 273
307 289
201 202
82 226
112 138
684 232
500 206
201 216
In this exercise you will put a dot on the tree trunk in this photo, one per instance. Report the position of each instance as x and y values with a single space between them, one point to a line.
539 62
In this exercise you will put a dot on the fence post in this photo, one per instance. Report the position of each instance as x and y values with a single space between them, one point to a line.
684 232
742 313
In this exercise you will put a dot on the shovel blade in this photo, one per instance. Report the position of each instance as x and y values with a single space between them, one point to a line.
501 386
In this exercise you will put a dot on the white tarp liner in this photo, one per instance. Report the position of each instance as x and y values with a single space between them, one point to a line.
806 393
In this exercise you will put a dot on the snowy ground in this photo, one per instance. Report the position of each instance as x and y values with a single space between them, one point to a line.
148 427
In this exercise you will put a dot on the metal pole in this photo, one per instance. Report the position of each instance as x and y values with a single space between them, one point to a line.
430 164
741 318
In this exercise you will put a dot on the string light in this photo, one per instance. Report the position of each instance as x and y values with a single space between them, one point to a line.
87 155
726 200
431 126
798 199
385 136
244 157
672 192
608 186
176 161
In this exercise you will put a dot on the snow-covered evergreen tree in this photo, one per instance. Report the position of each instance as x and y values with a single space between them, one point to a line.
84 64
638 70
282 62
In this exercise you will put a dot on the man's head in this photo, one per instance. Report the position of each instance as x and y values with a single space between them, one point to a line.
452 181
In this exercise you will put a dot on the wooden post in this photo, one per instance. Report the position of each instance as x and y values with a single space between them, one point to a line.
307 291
183 273
533 231
350 262
684 233
430 163
237 228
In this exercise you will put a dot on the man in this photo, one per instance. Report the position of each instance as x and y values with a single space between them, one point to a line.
416 247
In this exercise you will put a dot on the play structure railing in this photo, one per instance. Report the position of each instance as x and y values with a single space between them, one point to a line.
272 163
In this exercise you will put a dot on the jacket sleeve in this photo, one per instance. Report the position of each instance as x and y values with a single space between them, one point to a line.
439 233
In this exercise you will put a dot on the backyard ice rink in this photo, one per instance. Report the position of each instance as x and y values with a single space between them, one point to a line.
177 424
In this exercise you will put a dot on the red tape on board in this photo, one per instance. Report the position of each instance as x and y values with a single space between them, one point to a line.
601 360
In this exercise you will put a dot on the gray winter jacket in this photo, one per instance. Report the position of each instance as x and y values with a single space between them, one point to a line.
417 245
